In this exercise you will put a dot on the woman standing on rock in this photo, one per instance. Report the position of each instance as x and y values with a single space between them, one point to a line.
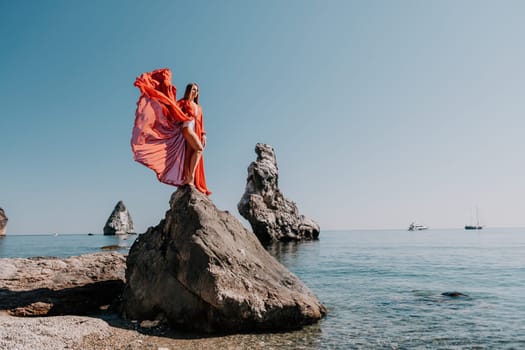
194 134
168 135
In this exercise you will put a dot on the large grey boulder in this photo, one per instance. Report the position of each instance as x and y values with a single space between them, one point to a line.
50 286
201 270
3 222
119 222
272 217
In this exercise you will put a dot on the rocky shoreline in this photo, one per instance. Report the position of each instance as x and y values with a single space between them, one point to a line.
109 331
197 278
98 327
199 272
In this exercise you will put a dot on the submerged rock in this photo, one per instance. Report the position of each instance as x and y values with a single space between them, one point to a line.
119 222
51 286
454 294
113 247
3 222
200 269
272 217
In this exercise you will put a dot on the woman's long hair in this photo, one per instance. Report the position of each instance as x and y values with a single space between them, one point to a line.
188 90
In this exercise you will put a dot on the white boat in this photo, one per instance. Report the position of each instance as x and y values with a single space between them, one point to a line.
415 227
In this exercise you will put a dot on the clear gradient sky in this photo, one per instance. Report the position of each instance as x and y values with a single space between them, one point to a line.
380 112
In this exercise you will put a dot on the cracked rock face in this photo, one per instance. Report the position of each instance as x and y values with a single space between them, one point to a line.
119 222
3 222
201 270
272 217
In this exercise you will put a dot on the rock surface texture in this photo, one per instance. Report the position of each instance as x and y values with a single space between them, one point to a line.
201 270
272 217
52 286
119 222
3 222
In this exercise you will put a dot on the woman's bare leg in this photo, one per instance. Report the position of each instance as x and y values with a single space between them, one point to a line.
193 155
187 157
194 160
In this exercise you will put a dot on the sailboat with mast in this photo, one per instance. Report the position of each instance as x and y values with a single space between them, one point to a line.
477 226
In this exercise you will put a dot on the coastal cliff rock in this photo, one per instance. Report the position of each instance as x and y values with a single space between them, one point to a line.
119 222
51 286
200 269
272 217
3 222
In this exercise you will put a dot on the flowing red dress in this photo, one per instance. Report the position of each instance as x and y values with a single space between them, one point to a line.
157 140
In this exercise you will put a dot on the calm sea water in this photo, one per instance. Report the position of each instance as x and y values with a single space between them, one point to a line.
382 288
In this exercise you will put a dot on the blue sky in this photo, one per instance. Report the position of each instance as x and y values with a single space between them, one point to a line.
380 112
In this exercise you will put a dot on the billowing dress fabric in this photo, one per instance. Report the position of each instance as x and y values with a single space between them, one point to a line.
157 140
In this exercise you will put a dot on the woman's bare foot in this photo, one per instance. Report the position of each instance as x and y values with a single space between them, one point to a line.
189 181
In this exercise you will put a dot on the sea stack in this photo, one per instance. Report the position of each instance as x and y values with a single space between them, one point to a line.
199 269
272 217
119 222
3 222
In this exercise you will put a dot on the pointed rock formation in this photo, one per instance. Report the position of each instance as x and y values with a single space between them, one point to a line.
200 269
272 217
3 222
119 222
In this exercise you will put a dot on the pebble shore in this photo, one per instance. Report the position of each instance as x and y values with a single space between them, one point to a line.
101 333
73 332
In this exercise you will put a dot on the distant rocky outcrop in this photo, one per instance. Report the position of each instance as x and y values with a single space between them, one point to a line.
3 222
272 217
200 269
119 222
51 286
